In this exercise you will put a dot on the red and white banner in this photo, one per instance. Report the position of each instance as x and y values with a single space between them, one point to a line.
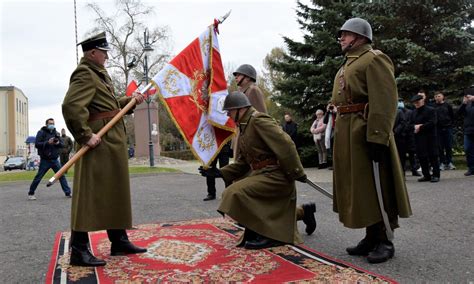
133 86
193 88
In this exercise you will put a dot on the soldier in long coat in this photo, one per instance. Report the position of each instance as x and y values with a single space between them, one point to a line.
365 95
261 194
246 78
101 198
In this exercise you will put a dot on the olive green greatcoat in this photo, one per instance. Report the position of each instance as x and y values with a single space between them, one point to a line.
255 96
368 77
101 192
257 100
265 200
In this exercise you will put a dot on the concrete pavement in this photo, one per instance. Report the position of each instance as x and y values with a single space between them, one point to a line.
434 245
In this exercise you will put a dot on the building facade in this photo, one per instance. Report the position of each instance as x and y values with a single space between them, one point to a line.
13 121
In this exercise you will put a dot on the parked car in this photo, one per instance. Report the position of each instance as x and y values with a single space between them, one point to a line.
15 163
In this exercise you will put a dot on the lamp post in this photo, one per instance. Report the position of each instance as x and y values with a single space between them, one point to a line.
147 49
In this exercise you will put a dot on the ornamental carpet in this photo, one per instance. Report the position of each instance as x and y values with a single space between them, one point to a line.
201 251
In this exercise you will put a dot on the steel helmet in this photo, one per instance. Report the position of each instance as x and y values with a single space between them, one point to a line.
358 26
236 100
247 70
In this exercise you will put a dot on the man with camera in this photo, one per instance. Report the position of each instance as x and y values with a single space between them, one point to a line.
48 144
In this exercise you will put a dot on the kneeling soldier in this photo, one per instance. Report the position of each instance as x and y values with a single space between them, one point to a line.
261 192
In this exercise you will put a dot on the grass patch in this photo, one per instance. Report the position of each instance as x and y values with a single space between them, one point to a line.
20 175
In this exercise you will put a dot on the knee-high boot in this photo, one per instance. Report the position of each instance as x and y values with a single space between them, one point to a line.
80 253
384 249
305 212
120 243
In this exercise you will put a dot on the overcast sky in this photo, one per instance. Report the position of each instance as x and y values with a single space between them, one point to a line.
37 42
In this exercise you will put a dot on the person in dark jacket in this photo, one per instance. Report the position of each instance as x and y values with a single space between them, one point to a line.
66 149
467 110
48 143
445 114
405 138
223 159
424 121
290 127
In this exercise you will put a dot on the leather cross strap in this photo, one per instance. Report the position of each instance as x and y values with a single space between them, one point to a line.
351 108
262 164
102 115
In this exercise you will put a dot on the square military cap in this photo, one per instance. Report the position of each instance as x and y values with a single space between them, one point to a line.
416 98
98 41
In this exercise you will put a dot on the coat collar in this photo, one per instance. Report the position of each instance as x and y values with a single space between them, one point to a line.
244 88
358 51
244 120
92 64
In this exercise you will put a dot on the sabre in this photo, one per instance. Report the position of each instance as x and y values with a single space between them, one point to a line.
101 132
378 188
319 188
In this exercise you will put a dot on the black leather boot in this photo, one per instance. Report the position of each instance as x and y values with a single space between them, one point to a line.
80 253
261 242
383 252
120 243
249 235
364 247
209 197
308 218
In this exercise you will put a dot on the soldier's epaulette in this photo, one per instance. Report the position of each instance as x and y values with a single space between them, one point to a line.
260 114
376 51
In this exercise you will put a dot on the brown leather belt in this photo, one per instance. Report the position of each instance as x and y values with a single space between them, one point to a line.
351 108
262 164
102 115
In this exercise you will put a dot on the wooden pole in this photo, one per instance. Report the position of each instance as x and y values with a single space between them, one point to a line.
86 148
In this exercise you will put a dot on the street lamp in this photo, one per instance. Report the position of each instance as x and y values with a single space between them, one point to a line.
147 49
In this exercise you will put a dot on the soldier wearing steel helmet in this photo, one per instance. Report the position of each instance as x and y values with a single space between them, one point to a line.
261 192
365 95
246 76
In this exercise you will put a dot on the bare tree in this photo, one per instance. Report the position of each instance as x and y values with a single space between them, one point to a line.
125 28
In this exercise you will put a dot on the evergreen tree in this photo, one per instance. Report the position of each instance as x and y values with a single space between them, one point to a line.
308 68
430 43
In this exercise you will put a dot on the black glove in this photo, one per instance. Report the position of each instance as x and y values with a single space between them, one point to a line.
377 151
302 178
210 172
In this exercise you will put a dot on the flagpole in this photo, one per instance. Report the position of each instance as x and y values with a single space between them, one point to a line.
86 148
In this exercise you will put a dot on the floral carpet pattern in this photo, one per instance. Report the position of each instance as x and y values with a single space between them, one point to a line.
201 251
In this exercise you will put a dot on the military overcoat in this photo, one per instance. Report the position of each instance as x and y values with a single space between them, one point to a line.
101 192
264 200
367 76
255 95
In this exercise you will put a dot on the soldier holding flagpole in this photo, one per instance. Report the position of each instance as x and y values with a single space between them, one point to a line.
101 199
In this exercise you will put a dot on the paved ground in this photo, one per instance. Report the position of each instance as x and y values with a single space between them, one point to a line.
435 245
